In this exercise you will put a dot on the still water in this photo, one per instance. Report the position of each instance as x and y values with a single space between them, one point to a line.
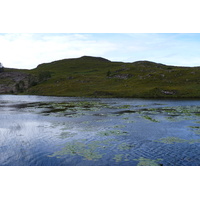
65 131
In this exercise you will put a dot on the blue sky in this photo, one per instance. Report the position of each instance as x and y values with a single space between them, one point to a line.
27 50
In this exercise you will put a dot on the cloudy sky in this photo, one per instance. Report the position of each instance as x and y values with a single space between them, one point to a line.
27 50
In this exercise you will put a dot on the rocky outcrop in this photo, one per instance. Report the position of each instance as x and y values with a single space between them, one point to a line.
16 82
122 76
169 92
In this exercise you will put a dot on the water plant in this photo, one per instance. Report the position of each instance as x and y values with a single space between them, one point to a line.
149 118
123 107
196 129
64 135
112 132
148 162
171 140
118 157
88 152
125 146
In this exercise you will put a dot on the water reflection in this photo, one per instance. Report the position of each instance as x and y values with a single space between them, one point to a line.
38 130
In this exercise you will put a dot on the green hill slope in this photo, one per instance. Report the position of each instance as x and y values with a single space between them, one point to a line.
98 77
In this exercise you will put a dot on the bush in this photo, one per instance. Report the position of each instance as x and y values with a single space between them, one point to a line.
1 69
20 86
108 73
45 75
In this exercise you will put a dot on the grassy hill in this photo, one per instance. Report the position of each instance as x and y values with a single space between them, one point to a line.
98 77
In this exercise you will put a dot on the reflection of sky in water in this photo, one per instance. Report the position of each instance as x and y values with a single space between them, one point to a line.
82 131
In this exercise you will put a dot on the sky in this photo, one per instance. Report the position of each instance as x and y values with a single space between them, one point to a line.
28 50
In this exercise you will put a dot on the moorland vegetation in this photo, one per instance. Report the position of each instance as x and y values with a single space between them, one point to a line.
98 77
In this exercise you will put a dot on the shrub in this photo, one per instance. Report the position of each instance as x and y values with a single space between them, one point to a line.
44 75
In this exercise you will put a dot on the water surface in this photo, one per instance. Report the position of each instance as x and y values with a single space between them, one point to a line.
65 131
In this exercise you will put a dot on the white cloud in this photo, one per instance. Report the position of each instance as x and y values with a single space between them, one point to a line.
29 50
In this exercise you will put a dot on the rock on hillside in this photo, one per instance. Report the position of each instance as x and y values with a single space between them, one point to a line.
15 82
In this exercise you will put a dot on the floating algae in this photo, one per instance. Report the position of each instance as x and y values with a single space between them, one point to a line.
85 122
173 140
148 162
129 121
174 114
196 129
174 118
149 118
123 107
119 126
72 109
118 157
112 132
121 157
77 148
64 135
125 146
89 151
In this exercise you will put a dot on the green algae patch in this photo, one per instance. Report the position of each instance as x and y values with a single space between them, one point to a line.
174 118
125 146
70 109
112 132
64 135
129 121
173 114
118 157
88 152
171 140
123 107
194 141
148 162
149 118
119 126
196 129
86 122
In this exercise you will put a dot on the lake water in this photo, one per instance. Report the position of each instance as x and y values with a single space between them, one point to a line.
65 131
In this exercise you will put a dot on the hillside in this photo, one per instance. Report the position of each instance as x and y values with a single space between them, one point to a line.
98 77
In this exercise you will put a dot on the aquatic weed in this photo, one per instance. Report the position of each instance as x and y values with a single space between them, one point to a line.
112 132
171 140
196 129
123 107
149 118
118 157
148 162
64 135
125 146
119 126
78 148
